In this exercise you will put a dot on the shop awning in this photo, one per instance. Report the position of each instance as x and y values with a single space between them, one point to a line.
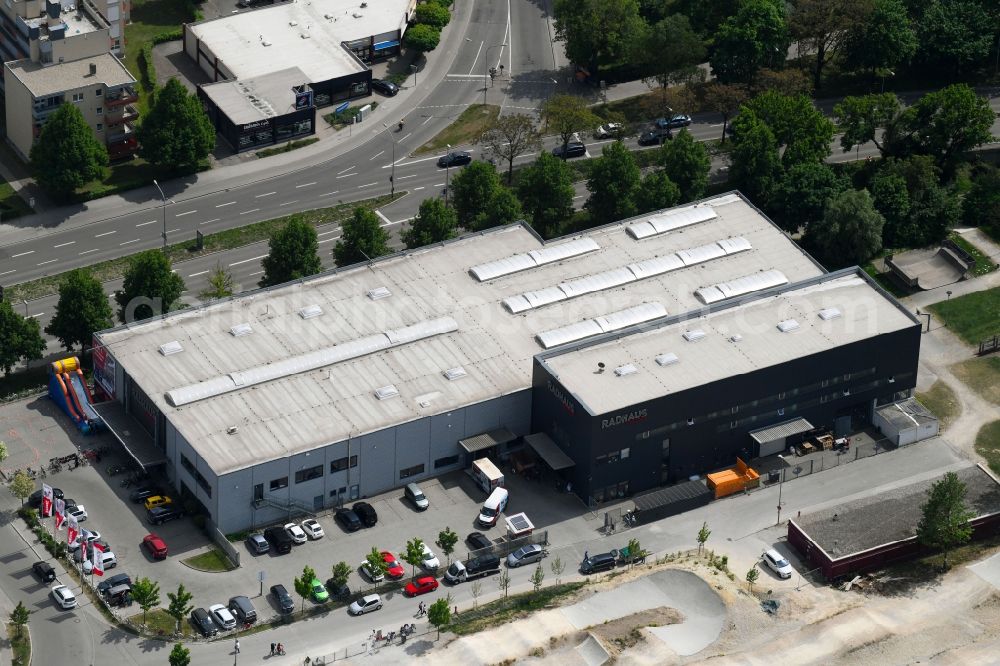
386 45
136 441
549 451
487 440
781 431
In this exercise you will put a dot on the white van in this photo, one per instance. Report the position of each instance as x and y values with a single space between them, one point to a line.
495 503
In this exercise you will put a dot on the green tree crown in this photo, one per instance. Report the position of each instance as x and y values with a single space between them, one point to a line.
83 308
20 338
362 238
293 254
148 277
175 132
67 154
613 183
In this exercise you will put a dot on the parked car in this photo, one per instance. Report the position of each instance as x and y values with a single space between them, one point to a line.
77 511
348 520
162 514
319 593
776 563
371 574
92 535
393 569
572 149
454 159
282 598
142 493
157 500
676 120
119 595
366 513
108 559
81 554
338 591
253 3
296 532
242 608
279 539
222 617
312 528
63 596
44 571
609 131
422 585
655 137
35 498
202 621
387 88
596 563
257 544
366 604
114 581
478 541
413 493
155 546
429 560
529 554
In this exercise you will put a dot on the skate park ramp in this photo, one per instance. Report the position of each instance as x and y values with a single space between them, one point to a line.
591 652
927 269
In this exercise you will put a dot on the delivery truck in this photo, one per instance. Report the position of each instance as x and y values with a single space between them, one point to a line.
486 475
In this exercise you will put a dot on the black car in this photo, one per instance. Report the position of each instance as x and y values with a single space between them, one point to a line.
114 581
599 562
366 513
454 158
336 591
142 492
572 149
654 137
387 88
44 571
35 498
478 541
676 120
278 539
162 514
348 520
202 621
282 598
253 3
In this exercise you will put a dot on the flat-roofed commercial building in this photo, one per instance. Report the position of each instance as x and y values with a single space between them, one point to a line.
360 380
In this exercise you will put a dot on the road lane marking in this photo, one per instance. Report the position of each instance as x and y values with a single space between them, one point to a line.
230 203
134 240
106 233
410 176
246 261
142 224
63 244
289 203
350 168
304 185
416 189
327 233
48 262
185 213
37 314
252 210
23 254
429 118
197 274
89 251
374 156
346 175
330 194
255 273
328 240
8 272
214 219
403 139
579 196
266 194
475 60
367 185
379 213
170 231
438 184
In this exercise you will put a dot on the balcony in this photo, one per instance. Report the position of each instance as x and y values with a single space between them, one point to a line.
121 114
121 144
120 96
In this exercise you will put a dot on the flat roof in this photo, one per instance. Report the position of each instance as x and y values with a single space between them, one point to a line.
906 414
702 347
892 515
247 100
307 35
42 81
418 327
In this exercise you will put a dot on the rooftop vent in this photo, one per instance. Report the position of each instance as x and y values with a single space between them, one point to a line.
386 392
667 359
455 373
293 23
735 337
240 330
310 311
788 325
695 335
231 430
379 292
826 314
624 370
171 348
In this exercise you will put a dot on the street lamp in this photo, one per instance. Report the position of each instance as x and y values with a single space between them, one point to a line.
486 73
447 175
413 68
891 73
392 176
781 482
164 214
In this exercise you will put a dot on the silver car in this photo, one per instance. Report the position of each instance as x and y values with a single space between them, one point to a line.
526 555
366 604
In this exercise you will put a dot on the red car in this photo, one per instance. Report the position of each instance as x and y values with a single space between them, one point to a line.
156 546
422 585
393 569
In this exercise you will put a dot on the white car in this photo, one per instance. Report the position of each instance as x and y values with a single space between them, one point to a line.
429 560
375 577
294 531
313 528
109 559
222 617
64 596
77 511
608 130
366 604
93 536
776 563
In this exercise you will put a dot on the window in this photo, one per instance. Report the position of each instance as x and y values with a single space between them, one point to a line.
278 484
781 396
735 409
100 110
100 127
626 452
308 474
77 97
411 471
341 464
99 92
601 459
613 457
445 462
186 464
203 482
691 421
733 425
258 492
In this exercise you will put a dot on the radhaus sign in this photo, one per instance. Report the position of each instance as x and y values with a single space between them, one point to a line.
562 398
624 419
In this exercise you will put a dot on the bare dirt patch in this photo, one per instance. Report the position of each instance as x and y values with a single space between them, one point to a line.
626 632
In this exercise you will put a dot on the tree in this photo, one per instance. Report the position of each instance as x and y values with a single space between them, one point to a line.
509 137
176 132
944 523
303 584
150 287
362 238
802 132
20 338
596 32
83 308
703 535
376 565
67 154
293 253
477 589
821 26
422 38
947 123
180 604
566 115
180 655
220 284
3 451
537 577
472 189
546 192
635 552
504 208
981 205
19 617
687 163
756 36
435 222
341 572
414 555
439 613
752 575
800 197
21 486
883 40
557 566
861 118
918 210
790 82
656 192
503 580
850 231
953 34
724 99
670 51
146 593
432 14
613 183
446 541
756 165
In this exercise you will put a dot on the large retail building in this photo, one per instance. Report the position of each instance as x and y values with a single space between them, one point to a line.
636 354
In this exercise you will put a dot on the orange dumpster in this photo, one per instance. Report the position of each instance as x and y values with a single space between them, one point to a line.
733 480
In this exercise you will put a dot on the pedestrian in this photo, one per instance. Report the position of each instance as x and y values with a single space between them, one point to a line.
272 649
586 555
237 646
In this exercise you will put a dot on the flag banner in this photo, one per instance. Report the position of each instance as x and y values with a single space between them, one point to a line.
72 529
60 508
98 559
46 500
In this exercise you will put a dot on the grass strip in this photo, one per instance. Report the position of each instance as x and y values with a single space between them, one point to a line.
20 645
983 263
988 445
973 317
160 623
982 375
468 127
212 560
515 607
287 148
942 402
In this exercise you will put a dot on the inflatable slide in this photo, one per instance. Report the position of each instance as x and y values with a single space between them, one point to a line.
69 390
